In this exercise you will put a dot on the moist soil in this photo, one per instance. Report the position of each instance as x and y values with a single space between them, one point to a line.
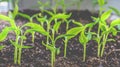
38 56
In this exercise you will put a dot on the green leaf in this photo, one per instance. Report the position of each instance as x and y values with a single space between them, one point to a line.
74 31
115 22
109 40
101 2
41 19
83 38
57 51
24 15
6 18
4 33
103 27
15 12
37 28
56 26
115 10
114 31
118 26
48 46
78 23
89 35
63 35
49 12
90 25
105 15
23 37
1 47
20 46
60 16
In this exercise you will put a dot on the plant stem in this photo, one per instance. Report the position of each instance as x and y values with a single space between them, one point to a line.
20 52
98 53
103 45
65 47
84 54
15 55
52 58
16 50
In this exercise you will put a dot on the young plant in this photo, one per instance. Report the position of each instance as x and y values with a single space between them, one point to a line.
85 37
20 37
54 51
73 31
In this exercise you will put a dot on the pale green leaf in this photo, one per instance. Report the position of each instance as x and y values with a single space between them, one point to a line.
37 28
115 22
106 15
56 26
101 2
74 31
4 33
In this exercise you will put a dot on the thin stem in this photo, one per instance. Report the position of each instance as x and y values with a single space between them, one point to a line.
52 58
20 52
103 45
16 50
84 54
65 47
98 53
15 55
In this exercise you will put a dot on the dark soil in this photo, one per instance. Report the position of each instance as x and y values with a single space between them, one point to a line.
38 56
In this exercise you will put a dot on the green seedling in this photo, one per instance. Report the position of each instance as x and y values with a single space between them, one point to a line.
104 30
74 31
85 37
20 37
54 51
38 28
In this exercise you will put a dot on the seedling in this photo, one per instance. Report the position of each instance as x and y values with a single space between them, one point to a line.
73 31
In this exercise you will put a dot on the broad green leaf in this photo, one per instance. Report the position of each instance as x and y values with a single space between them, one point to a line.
83 38
105 15
101 2
74 31
115 22
56 26
37 28
1 47
103 27
6 18
24 15
4 33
